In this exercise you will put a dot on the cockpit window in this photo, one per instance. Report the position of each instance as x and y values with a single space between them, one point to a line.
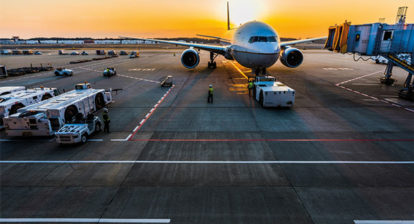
262 39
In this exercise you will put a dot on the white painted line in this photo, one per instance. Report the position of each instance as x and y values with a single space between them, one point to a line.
411 110
384 221
129 136
201 162
82 220
95 140
359 77
6 140
118 140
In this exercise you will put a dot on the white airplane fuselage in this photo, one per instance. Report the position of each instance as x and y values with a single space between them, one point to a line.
255 45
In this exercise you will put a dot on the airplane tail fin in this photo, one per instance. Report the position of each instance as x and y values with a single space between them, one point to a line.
228 17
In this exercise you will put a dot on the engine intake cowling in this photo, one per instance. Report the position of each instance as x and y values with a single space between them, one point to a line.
190 58
291 57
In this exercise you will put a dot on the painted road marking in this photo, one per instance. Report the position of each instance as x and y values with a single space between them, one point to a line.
366 95
203 162
384 221
149 114
336 69
142 69
119 140
240 71
82 220
222 140
95 140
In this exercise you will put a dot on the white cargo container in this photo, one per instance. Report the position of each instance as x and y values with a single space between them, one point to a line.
10 103
10 89
270 93
44 118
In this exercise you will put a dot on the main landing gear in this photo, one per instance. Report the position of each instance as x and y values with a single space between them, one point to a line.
212 64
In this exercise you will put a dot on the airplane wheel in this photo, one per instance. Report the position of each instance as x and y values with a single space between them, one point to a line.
261 99
214 65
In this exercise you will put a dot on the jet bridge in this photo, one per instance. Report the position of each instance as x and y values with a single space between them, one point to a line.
388 41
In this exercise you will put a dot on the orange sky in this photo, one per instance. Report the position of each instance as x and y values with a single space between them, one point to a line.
170 18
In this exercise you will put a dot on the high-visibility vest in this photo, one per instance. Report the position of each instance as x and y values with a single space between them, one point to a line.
250 85
105 117
210 90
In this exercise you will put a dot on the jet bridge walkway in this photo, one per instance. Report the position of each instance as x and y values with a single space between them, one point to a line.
388 41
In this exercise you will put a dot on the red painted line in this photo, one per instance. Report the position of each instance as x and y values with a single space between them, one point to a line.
149 114
273 140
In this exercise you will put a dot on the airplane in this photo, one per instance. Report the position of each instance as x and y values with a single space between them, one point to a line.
255 45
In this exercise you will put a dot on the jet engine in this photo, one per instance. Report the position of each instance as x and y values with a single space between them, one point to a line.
190 58
291 57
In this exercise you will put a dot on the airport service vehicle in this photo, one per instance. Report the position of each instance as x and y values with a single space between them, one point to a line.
27 52
100 52
74 53
256 45
112 53
4 90
78 132
270 93
108 72
123 53
38 53
5 52
3 72
62 52
134 54
84 53
47 117
10 103
167 81
63 72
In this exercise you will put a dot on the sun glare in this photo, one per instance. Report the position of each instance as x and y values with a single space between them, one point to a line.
242 11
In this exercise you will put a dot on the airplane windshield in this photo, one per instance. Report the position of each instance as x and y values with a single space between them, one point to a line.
254 39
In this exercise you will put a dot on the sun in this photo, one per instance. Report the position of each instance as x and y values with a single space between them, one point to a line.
242 11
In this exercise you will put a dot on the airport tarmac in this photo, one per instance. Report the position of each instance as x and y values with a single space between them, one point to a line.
344 152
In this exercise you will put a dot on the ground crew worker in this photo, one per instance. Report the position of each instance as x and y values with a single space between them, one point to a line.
106 120
210 94
250 86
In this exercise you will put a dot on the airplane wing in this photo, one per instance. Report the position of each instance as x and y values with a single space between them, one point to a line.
293 42
213 48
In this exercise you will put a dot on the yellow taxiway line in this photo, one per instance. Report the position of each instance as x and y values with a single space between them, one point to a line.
240 71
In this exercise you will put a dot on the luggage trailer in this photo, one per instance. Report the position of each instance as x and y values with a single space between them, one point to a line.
47 117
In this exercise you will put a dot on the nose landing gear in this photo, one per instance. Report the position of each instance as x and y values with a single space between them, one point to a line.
260 71
212 64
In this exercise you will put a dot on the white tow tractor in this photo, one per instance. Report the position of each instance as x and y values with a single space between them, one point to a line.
271 93
63 72
78 132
